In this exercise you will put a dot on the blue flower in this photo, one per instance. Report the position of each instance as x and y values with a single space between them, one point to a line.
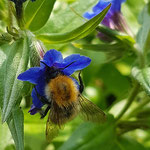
109 18
52 59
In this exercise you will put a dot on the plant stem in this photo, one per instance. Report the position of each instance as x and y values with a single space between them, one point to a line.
132 113
132 96
141 56
126 126
142 60
10 20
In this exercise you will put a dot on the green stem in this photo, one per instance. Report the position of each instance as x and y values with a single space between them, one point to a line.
142 60
132 96
119 145
112 33
118 36
126 126
140 55
10 20
138 108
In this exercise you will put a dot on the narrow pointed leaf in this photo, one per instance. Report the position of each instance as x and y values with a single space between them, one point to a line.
116 35
5 135
15 124
37 13
76 34
113 51
127 143
143 36
3 56
143 77
65 19
100 47
15 62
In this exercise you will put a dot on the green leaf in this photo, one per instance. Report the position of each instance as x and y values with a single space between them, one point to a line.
77 33
101 47
116 35
143 37
37 13
2 60
14 61
15 124
64 19
5 135
127 144
143 77
112 78
92 136
5 38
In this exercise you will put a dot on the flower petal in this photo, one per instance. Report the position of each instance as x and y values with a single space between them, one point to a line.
115 7
97 9
88 15
60 65
37 103
101 5
52 56
71 58
33 110
40 87
31 75
80 62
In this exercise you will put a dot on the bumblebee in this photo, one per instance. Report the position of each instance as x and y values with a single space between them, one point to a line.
64 100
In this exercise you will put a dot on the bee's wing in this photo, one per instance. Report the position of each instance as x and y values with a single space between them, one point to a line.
89 111
52 130
58 116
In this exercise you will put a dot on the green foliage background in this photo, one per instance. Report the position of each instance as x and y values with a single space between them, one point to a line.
108 84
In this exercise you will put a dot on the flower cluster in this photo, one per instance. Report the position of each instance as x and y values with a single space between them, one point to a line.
110 18
113 19
37 75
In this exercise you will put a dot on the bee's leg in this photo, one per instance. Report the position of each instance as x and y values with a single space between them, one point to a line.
81 87
44 113
41 98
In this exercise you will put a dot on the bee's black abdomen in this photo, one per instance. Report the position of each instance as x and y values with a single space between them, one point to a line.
60 115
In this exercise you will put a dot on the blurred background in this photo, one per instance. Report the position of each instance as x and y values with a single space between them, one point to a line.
107 84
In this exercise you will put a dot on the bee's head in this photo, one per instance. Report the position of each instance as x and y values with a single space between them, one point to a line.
53 72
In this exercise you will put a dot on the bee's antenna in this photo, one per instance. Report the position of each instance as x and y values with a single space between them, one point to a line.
44 64
61 68
68 65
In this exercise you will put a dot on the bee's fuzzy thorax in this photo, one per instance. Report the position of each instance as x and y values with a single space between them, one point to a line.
62 90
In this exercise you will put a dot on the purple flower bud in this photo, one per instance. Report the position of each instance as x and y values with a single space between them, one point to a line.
113 19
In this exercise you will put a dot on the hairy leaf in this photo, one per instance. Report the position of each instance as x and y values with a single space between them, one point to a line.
15 60
64 18
37 13
76 34
143 37
101 47
143 77
15 124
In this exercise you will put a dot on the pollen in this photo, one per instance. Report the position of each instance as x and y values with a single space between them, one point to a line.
62 90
